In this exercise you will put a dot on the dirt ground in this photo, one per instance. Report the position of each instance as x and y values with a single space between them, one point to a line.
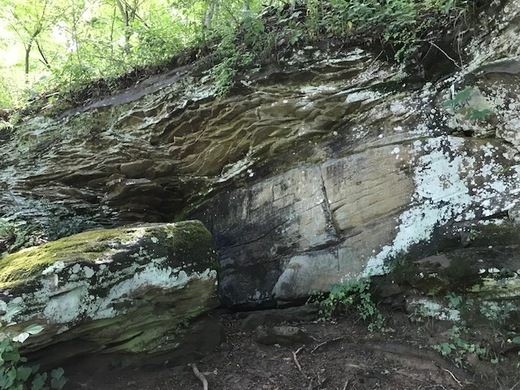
341 355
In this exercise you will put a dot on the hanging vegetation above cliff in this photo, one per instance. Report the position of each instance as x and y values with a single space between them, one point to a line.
58 45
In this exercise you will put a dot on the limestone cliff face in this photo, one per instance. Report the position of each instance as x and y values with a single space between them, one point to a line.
331 166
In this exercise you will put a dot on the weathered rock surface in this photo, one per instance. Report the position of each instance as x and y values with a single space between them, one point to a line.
330 166
281 335
125 290
271 317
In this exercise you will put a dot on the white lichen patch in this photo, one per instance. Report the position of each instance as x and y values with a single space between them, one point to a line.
425 308
446 190
152 276
365 96
71 301
66 307
314 90
232 170
69 293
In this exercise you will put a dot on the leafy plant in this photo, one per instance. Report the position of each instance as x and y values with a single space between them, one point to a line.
400 23
239 49
457 347
497 313
461 102
17 374
352 294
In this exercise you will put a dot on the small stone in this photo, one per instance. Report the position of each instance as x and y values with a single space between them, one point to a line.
282 335
279 316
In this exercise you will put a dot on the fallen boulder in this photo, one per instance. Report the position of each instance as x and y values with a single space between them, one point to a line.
124 290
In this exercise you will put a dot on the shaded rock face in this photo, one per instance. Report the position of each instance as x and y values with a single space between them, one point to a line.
125 290
313 226
331 166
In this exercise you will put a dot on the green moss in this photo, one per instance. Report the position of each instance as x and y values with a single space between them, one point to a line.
191 243
507 288
188 241
25 265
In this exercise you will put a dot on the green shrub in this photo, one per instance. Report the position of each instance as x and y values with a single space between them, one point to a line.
402 24
17 374
458 347
352 294
105 45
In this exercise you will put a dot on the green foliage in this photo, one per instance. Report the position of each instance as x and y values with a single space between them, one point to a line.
463 103
396 24
475 114
455 301
353 294
16 374
497 313
64 44
457 347
460 99
237 52
6 94
400 23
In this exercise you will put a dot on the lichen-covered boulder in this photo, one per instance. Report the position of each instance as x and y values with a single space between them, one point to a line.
130 289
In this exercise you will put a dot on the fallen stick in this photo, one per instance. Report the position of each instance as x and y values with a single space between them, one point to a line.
199 375
454 377
325 343
298 365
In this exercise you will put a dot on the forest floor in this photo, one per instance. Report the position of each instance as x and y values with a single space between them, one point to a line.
332 355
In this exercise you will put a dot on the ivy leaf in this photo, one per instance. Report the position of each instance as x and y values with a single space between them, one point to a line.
57 373
38 382
11 356
23 373
8 378
58 380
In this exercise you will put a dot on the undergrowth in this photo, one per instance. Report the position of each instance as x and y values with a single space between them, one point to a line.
402 30
352 295
15 371
458 347
399 28
480 331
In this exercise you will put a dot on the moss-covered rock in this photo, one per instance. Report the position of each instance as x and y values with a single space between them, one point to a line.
131 289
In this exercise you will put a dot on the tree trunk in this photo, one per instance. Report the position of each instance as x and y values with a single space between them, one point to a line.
43 56
210 13
27 60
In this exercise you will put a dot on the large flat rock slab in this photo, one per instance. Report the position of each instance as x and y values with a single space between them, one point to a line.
300 232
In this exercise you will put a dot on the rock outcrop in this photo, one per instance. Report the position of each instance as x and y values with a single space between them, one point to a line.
329 166
126 290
